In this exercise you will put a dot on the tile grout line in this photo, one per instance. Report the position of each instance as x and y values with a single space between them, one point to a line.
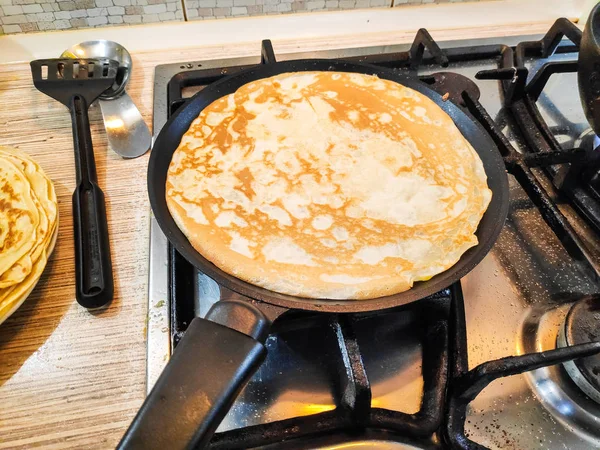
184 8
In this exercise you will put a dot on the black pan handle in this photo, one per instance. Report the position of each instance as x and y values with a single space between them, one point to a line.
93 268
208 369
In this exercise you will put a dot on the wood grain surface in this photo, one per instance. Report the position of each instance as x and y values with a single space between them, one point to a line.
70 378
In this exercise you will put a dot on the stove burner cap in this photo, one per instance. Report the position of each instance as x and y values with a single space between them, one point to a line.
452 84
582 325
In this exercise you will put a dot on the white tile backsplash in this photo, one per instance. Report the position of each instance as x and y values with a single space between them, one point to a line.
22 16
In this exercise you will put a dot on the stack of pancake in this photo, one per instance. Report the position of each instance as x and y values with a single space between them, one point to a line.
28 227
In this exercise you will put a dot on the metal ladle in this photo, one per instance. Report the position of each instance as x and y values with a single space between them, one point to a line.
128 135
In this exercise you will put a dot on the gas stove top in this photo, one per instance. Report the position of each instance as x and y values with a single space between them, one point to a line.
431 374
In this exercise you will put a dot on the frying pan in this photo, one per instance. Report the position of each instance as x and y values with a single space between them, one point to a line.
218 354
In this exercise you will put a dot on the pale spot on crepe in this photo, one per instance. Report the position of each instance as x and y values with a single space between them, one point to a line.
270 192
393 161
353 115
231 132
410 250
335 201
223 187
409 93
331 94
194 213
320 106
461 189
322 222
200 152
354 211
411 146
331 259
368 223
328 242
419 111
276 213
344 279
286 251
340 233
206 130
358 79
407 116
230 103
226 218
296 206
385 118
214 208
288 162
399 200
459 207
185 140
240 245
302 81
176 161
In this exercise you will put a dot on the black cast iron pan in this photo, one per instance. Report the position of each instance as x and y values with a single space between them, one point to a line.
219 354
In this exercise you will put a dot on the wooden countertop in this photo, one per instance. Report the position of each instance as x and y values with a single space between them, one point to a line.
74 379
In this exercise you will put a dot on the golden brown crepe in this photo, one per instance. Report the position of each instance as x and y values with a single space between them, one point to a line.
28 213
13 297
45 201
327 185
19 215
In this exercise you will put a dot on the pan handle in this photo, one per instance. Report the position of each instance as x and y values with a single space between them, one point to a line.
211 364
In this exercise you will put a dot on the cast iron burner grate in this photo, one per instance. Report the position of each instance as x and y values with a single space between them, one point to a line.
448 384
579 180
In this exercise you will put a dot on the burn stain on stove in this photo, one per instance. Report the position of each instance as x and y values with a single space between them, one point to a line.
534 259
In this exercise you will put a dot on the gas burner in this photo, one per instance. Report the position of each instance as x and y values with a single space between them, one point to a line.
582 324
554 385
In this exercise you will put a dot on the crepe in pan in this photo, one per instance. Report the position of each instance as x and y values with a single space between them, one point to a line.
327 185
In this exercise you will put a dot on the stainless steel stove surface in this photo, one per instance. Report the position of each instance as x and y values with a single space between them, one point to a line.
515 302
